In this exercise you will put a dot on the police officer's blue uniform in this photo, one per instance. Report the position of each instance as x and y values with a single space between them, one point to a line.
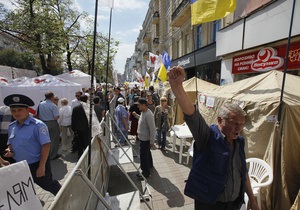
26 141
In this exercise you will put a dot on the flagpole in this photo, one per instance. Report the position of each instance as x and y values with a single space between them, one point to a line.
196 72
92 88
286 64
108 49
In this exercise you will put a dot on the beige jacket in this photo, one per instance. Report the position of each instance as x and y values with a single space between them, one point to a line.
158 113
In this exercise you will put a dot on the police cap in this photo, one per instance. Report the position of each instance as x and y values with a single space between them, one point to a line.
18 100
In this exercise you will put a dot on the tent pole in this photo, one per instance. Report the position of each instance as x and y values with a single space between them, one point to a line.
286 64
92 88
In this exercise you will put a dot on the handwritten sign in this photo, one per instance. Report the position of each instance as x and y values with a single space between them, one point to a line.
17 188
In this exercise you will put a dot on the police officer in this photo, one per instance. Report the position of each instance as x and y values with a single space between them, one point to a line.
28 139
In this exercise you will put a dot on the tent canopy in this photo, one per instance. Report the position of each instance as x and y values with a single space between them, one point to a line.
35 88
190 86
279 144
79 77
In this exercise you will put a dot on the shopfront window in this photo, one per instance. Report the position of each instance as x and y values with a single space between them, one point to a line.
210 72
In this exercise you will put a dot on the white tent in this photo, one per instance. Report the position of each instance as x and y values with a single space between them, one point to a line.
36 87
79 77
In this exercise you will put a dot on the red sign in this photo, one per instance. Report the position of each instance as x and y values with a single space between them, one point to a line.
267 59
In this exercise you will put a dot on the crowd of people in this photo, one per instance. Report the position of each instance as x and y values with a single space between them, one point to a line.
218 179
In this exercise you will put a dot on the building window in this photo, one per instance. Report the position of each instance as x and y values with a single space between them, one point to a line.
186 44
178 48
217 27
167 26
199 36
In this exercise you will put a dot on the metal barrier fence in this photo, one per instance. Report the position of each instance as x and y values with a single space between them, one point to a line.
75 193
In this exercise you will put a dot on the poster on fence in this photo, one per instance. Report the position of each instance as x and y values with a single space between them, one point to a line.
17 188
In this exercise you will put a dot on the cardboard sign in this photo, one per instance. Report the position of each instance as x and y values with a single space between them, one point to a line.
17 188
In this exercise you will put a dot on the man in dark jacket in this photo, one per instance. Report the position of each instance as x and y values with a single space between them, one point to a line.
81 126
219 176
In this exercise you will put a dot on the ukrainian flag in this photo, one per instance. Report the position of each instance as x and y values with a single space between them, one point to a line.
210 10
164 67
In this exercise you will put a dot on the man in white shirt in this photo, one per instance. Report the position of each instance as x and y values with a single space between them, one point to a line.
75 102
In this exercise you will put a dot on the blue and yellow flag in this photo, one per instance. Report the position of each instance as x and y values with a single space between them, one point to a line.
210 10
164 66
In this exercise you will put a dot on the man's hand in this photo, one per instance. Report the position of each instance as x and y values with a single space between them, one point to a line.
40 171
151 145
176 75
3 162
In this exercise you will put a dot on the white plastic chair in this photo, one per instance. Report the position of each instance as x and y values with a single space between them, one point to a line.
261 175
190 152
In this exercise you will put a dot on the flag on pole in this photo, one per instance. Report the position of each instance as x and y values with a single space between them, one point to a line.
109 3
138 76
152 59
164 67
157 63
147 76
209 10
148 65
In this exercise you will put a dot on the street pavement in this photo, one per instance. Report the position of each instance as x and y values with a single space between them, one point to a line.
166 183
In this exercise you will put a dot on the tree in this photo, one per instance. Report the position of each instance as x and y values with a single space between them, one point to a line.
51 30
83 58
10 57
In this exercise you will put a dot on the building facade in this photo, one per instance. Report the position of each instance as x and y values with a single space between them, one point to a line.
222 51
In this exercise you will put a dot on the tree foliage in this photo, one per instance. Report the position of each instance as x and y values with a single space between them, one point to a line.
50 29
10 57
84 51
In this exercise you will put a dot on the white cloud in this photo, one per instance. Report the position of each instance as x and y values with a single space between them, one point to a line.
131 32
122 55
125 4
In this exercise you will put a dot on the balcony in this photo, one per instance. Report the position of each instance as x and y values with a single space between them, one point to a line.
146 55
181 14
155 42
147 38
155 19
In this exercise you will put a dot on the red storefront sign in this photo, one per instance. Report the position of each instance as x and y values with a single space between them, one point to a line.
267 59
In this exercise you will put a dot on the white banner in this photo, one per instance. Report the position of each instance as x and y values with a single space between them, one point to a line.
17 188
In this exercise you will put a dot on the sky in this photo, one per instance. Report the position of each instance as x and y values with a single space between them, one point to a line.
127 20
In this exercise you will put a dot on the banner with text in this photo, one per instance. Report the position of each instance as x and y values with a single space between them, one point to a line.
17 188
269 58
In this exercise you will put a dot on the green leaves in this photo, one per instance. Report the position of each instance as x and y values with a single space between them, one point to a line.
51 30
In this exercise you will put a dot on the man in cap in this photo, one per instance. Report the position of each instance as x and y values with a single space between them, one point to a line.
122 121
28 139
146 134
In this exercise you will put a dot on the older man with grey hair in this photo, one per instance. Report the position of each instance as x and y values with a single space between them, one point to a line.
219 176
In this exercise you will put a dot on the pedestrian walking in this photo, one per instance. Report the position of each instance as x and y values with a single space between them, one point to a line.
64 121
163 118
48 112
122 120
146 134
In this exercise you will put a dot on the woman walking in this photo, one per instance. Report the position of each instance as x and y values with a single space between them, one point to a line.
162 117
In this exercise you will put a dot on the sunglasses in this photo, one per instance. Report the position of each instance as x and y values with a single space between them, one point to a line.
163 100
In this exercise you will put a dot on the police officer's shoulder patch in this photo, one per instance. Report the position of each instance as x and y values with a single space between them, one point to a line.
43 129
